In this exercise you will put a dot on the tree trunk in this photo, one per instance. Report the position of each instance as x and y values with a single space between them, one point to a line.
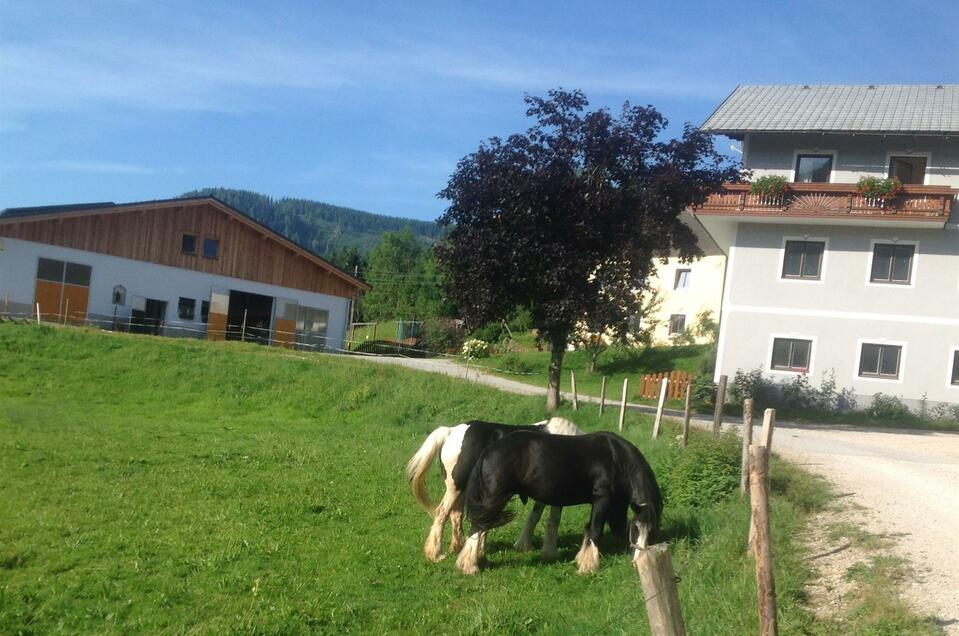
558 343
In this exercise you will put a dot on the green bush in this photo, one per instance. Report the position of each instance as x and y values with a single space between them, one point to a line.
703 473
888 407
514 363
441 335
492 332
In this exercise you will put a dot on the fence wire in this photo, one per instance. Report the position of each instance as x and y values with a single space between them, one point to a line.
237 332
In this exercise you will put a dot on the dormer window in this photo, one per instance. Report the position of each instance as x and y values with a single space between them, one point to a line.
813 168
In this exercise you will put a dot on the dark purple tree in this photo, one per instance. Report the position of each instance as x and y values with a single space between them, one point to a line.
567 218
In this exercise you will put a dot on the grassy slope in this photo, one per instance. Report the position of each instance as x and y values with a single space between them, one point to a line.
151 484
615 364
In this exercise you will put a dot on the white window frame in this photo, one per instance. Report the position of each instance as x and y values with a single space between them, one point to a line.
822 265
832 172
791 336
908 153
912 273
880 341
689 279
952 352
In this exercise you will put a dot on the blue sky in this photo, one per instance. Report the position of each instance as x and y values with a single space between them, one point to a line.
370 104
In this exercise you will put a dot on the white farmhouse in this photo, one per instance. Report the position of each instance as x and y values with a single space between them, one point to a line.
822 278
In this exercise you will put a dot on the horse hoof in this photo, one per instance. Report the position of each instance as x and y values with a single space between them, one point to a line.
435 557
522 546
470 570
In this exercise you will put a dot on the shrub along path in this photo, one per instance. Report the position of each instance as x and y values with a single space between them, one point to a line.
904 479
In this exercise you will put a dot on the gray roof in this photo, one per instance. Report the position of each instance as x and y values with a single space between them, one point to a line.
881 108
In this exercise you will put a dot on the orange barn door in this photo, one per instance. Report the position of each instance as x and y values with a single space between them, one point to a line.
49 296
75 299
284 323
216 322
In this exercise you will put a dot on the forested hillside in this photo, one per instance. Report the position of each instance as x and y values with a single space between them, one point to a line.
319 226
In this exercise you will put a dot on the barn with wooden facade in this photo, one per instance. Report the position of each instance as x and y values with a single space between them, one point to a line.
185 267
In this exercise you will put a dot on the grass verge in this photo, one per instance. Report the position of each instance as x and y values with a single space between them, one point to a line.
184 486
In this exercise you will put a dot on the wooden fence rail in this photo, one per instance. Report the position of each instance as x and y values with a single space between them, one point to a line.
649 385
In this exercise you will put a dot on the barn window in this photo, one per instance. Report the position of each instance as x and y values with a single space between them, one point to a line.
186 308
77 274
210 247
49 269
188 244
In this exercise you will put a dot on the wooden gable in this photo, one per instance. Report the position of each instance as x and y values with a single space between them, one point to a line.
153 232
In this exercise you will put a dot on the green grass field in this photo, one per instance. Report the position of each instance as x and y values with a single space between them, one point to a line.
615 363
156 485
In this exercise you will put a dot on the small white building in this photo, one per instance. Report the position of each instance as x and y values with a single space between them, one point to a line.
184 267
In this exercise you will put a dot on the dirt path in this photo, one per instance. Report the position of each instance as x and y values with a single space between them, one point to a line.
907 483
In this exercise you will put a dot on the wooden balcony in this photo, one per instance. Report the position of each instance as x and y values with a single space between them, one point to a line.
832 200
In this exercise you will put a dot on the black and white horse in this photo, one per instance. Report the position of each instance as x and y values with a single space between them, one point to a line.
601 469
458 448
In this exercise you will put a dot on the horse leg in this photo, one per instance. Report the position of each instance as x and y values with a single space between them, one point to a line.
588 557
433 549
468 561
551 536
525 541
456 520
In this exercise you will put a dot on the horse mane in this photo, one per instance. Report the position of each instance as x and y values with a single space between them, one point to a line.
644 495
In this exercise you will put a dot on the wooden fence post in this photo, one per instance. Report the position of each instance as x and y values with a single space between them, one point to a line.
38 314
759 498
659 409
622 406
243 328
602 397
720 400
572 382
66 311
747 441
687 413
769 421
658 578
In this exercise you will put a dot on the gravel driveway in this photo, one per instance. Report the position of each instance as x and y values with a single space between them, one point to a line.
907 483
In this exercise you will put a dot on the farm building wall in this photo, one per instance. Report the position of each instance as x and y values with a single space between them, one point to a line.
18 276
153 232
687 289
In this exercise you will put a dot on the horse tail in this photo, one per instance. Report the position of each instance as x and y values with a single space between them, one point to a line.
484 509
562 426
420 462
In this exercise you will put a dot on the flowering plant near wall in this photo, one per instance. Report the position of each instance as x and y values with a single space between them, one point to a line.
878 188
769 185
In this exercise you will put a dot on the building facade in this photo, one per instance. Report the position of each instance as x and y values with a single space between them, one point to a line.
824 279
180 267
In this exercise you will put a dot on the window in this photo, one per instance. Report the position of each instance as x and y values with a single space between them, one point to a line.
813 168
205 311
955 368
77 274
49 269
892 263
210 247
803 259
186 308
682 279
908 169
879 361
677 323
188 244
790 354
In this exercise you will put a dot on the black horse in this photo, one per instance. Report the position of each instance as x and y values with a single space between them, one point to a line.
601 469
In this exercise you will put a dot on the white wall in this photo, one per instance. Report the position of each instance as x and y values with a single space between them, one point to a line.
18 273
844 308
703 294
855 156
